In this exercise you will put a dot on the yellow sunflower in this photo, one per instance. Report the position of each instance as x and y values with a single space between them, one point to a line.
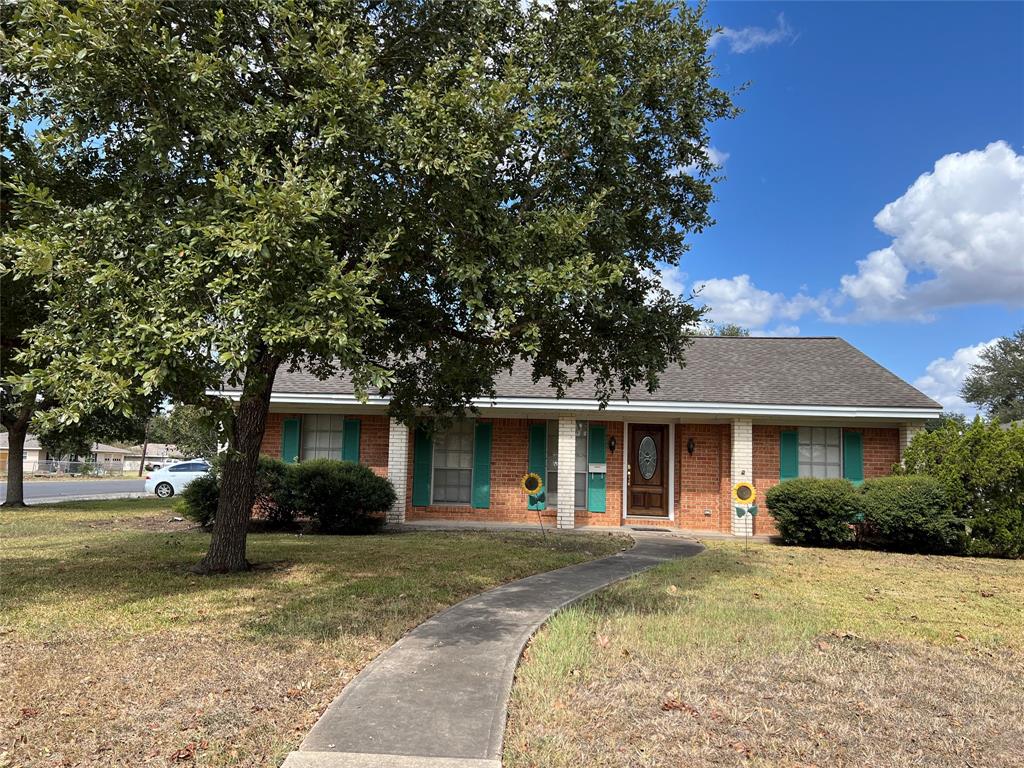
744 493
532 484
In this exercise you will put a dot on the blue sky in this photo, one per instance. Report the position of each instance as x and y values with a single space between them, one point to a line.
853 107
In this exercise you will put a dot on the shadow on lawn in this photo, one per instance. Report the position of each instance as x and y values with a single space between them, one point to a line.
314 587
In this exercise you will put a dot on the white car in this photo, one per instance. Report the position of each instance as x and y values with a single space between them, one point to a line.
173 478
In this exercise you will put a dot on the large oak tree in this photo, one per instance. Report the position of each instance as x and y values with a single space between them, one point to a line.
413 193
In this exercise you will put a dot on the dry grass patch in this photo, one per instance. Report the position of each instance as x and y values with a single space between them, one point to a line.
782 657
112 654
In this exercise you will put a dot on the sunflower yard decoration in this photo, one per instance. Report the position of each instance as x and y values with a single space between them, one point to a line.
532 483
744 493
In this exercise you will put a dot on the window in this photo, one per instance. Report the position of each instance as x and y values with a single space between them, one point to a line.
321 436
580 490
453 465
189 467
819 452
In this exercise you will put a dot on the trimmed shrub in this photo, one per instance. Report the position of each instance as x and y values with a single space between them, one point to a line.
813 512
912 513
198 499
271 503
340 496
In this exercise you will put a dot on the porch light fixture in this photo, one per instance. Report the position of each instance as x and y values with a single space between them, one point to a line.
611 444
691 444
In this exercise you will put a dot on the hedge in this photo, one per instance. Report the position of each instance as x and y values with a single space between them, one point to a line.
912 513
813 512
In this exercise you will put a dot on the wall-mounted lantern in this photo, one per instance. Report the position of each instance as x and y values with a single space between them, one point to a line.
611 444
691 444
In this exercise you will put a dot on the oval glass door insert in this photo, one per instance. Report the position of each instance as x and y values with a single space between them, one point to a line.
647 457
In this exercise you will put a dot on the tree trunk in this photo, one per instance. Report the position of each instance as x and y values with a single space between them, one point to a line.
142 461
16 432
238 473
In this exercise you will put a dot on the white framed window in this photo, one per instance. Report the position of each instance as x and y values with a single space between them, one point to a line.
582 449
820 452
453 465
321 436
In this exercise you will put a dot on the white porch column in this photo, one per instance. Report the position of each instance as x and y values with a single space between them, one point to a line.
907 432
742 470
398 468
566 472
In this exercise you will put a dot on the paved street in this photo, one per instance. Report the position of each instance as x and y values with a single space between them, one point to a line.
74 488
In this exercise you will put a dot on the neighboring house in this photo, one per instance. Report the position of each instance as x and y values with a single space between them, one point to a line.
157 455
103 459
754 409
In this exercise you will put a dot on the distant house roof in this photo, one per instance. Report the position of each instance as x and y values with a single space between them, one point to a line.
803 371
32 444
156 451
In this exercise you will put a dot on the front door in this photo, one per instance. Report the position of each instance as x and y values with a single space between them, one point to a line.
646 473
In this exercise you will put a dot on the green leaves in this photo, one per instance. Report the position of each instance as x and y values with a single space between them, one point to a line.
415 194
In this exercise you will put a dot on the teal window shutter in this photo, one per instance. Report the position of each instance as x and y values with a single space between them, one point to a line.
853 457
350 440
290 430
537 462
596 455
422 458
482 466
789 454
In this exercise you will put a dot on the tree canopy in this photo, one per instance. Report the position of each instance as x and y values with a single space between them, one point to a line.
996 384
414 194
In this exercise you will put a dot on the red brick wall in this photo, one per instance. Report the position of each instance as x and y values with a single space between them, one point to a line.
698 475
373 439
766 473
881 451
702 480
509 462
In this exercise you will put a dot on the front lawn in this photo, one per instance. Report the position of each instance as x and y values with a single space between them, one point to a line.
114 655
782 657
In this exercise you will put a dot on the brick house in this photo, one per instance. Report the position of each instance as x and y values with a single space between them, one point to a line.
754 409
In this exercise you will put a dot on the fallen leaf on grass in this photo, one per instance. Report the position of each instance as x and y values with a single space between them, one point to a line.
29 712
188 752
675 705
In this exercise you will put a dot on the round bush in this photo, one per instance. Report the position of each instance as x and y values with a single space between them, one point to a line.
340 496
813 512
912 513
198 499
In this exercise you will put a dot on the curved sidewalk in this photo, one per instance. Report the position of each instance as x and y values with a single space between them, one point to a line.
438 697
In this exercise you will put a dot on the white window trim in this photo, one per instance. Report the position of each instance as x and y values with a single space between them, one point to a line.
586 489
842 449
472 471
302 435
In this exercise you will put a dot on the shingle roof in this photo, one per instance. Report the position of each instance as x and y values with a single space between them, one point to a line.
32 444
750 370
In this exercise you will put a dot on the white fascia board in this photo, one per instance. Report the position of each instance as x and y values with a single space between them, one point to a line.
618 406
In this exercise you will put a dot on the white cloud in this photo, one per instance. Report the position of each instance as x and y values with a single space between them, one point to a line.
959 228
715 155
943 377
747 39
958 239
738 300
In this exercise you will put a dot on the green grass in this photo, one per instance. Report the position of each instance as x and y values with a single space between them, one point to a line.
117 654
781 656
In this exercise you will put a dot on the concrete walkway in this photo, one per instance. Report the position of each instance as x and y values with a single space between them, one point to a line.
438 697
